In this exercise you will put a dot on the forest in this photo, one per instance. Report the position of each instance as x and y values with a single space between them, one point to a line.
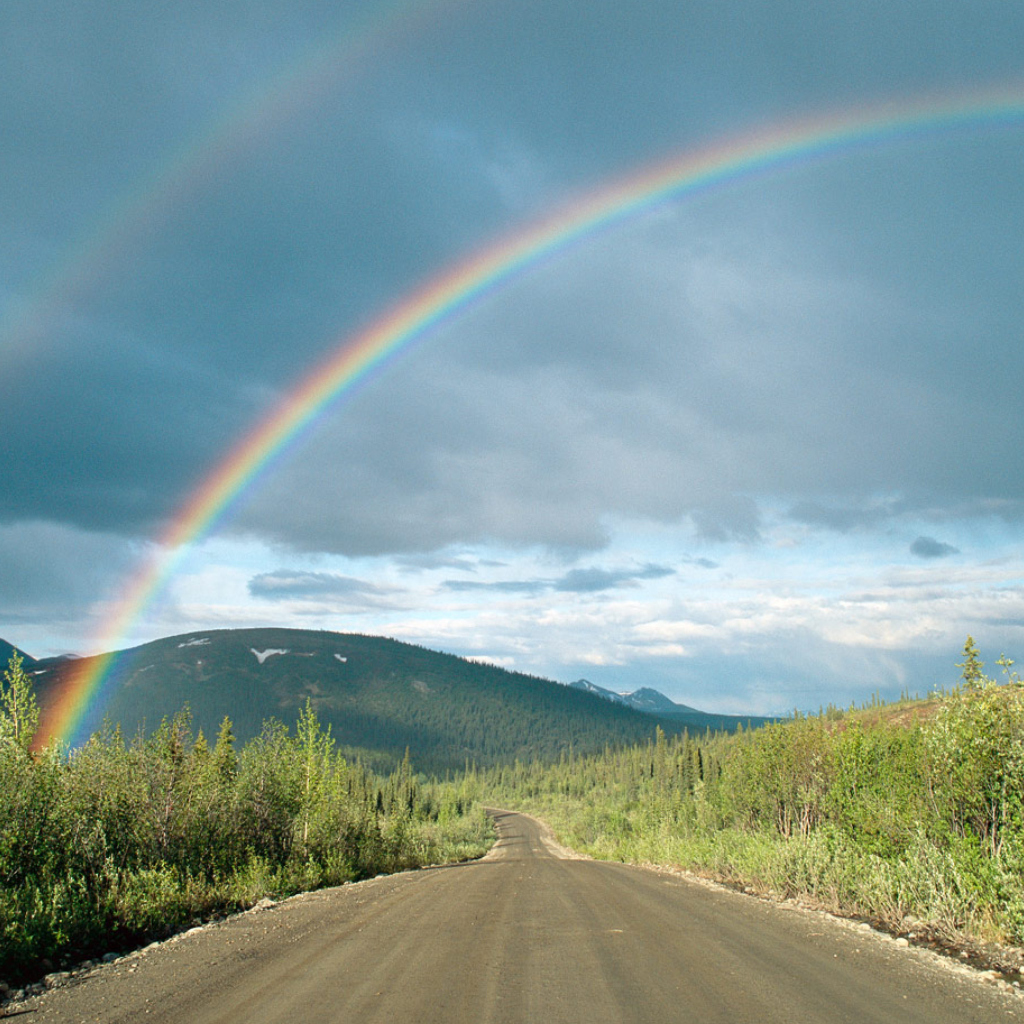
123 841
910 815
379 697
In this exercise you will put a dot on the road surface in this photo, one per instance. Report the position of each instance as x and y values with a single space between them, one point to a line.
529 935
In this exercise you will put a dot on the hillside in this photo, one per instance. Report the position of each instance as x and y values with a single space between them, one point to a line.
909 814
377 695
6 650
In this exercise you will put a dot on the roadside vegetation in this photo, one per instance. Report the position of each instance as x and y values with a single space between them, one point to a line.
910 815
126 840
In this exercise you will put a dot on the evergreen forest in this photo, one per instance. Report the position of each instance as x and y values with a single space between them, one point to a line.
380 697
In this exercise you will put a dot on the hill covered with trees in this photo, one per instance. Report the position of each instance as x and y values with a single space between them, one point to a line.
6 650
378 696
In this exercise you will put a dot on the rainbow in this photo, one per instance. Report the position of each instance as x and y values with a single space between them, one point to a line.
452 292
342 54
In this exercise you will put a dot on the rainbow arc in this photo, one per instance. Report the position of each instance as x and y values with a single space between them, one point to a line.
452 292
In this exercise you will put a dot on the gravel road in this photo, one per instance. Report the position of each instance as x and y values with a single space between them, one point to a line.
529 934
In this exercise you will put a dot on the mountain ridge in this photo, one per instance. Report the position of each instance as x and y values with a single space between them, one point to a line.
654 702
379 696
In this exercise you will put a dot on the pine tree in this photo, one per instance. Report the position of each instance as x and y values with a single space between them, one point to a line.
224 756
971 665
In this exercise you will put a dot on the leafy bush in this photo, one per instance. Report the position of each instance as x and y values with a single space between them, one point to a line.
116 843
869 815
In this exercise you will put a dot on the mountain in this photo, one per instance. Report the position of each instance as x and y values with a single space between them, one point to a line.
6 650
644 699
379 697
653 702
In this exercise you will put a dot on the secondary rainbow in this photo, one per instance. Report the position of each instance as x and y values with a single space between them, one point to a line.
452 292
343 53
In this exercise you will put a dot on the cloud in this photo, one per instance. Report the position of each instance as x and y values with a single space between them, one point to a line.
55 582
703 563
690 367
842 517
484 659
929 547
436 560
587 581
285 584
795 642
739 379
576 581
497 586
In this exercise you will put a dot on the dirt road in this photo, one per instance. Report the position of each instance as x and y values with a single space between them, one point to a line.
529 936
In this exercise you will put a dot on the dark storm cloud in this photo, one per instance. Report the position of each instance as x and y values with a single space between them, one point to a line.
740 346
96 443
42 562
929 547
147 371
51 578
462 442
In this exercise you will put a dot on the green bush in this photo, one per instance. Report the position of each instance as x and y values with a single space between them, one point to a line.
869 815
121 842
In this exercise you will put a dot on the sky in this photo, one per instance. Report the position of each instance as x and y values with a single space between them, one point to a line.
759 447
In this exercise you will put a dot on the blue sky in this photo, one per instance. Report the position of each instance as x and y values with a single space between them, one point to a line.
760 448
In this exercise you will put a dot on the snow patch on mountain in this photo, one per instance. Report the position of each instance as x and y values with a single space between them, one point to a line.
261 656
644 699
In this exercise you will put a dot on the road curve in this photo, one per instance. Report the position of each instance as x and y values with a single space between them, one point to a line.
528 935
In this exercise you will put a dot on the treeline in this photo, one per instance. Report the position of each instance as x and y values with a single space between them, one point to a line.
889 814
126 840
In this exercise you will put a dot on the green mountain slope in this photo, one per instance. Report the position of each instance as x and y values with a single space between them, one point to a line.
377 695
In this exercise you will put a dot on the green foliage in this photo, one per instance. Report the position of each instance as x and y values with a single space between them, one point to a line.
976 748
872 814
972 665
19 712
376 697
120 842
867 812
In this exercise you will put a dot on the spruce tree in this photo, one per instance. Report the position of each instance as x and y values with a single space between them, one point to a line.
971 665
